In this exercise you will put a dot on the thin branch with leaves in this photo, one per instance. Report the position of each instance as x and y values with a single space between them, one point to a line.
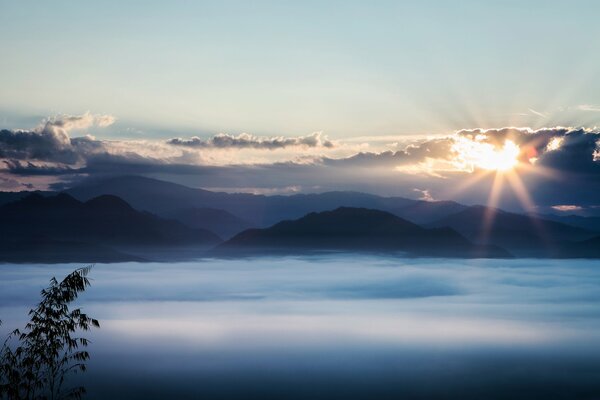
36 362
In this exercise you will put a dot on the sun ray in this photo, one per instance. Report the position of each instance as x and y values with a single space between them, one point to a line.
468 182
527 203
538 170
519 189
491 209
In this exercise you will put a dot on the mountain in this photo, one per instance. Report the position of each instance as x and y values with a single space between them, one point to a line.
589 248
354 230
9 197
167 199
589 223
221 222
105 221
522 235
46 250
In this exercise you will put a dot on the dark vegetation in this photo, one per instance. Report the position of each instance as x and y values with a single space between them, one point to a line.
36 362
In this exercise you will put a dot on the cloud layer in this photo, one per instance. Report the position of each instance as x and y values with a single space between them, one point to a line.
246 141
51 141
563 163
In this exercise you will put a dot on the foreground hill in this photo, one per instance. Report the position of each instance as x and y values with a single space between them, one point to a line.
166 198
521 234
105 224
355 229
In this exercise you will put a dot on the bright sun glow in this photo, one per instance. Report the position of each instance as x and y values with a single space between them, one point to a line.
479 154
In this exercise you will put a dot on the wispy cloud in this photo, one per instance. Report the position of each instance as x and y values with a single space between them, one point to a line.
538 113
424 194
567 207
588 107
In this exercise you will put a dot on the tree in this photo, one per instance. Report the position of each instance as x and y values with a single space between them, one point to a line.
35 362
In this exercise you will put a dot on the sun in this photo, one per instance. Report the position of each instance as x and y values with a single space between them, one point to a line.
502 159
478 154
482 159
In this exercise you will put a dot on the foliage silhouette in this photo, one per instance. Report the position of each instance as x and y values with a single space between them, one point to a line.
36 361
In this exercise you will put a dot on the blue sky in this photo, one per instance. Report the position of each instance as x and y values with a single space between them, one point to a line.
291 68
397 98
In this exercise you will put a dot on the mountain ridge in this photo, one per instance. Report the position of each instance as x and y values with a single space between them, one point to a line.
105 221
355 229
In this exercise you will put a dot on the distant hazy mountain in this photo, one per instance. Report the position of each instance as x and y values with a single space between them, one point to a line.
103 221
221 222
165 199
589 223
355 229
99 222
520 234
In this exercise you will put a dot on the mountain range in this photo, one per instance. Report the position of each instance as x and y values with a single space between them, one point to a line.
104 225
355 230
523 235
166 198
132 217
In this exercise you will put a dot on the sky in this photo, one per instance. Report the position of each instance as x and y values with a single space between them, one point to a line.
284 97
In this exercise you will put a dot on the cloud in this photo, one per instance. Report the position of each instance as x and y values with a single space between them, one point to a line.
588 107
10 184
561 149
425 194
51 141
569 158
69 123
567 207
247 141
538 113
413 153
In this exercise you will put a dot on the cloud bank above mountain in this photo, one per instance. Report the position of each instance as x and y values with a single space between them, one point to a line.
562 164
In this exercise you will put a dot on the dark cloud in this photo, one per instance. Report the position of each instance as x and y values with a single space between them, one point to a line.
32 145
576 150
577 153
51 141
246 141
566 159
570 157
28 168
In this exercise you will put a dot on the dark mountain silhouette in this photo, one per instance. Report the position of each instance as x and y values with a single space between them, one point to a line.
105 221
221 222
355 229
521 234
589 223
9 197
165 199
589 248
99 214
46 250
